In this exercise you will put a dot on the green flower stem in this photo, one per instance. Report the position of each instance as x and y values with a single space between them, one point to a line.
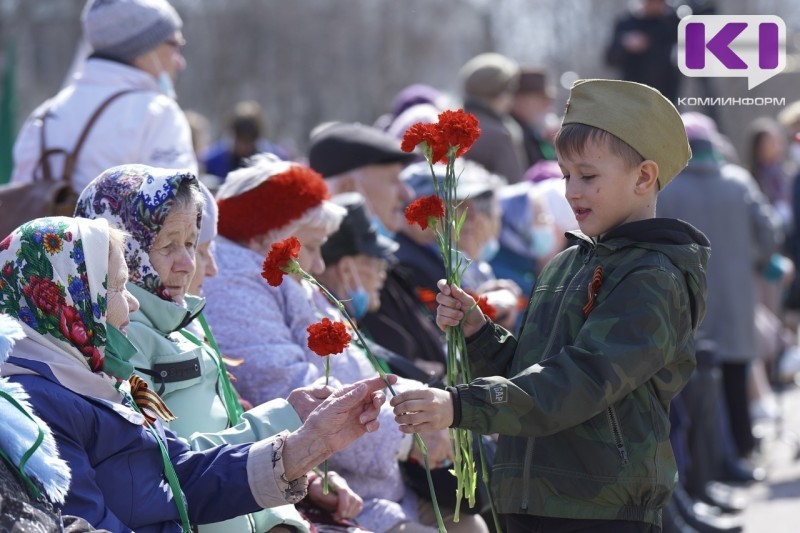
325 485
420 443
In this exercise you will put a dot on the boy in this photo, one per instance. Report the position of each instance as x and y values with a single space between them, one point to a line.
581 399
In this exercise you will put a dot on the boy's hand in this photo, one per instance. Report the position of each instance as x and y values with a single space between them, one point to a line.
423 410
453 304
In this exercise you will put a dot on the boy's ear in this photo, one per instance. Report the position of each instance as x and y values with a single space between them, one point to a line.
648 176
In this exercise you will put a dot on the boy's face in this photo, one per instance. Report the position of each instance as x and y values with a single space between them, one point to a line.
602 190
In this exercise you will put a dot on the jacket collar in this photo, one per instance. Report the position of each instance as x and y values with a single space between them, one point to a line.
162 315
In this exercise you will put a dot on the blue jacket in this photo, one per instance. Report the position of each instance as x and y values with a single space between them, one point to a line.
117 470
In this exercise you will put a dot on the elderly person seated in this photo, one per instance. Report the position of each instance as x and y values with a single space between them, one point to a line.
260 205
478 240
162 211
65 280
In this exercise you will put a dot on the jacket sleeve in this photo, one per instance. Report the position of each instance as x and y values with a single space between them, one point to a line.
260 422
85 498
491 350
624 342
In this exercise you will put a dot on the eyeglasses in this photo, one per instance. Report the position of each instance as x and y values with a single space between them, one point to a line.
177 44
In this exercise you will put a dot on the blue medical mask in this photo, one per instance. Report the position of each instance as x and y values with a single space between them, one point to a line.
166 86
489 250
358 296
542 241
381 229
359 302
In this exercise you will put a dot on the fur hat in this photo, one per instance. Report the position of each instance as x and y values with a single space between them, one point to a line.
126 29
638 115
489 75
267 195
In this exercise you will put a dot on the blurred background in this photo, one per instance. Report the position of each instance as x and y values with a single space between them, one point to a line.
309 61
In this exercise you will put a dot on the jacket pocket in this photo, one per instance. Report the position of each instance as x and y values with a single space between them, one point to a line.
616 435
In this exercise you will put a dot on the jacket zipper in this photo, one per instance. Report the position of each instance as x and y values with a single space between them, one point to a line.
615 430
531 444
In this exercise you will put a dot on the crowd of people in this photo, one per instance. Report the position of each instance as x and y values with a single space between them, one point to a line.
637 316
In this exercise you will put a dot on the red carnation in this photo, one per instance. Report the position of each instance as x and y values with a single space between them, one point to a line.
429 136
8 270
44 294
279 260
327 337
427 297
4 244
487 308
458 128
421 210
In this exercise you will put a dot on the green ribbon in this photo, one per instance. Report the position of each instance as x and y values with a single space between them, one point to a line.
229 398
27 455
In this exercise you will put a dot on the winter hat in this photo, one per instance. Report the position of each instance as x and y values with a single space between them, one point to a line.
357 234
342 147
489 76
126 29
534 80
267 195
638 115
208 224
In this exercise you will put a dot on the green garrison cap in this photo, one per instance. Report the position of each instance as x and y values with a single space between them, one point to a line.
637 114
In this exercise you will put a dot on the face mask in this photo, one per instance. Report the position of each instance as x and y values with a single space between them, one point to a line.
359 302
164 80
359 299
542 241
381 229
489 250
119 351
166 85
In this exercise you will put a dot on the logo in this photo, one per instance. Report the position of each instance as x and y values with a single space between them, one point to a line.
728 46
498 394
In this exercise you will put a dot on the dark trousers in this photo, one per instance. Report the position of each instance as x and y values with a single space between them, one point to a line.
734 379
521 523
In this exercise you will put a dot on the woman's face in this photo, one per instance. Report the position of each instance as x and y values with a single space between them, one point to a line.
310 258
205 267
120 301
173 252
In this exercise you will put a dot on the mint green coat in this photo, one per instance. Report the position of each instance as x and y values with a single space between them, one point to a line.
192 392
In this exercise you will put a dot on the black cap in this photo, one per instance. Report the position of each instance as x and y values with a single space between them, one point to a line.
346 146
357 234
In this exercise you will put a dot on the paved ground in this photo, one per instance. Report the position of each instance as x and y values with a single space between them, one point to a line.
775 503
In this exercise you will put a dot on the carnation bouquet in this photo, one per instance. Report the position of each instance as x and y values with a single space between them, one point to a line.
443 142
328 337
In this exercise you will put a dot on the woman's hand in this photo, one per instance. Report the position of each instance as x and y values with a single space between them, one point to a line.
306 399
423 410
340 501
453 304
343 417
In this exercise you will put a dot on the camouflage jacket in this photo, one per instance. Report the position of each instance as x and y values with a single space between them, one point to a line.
582 401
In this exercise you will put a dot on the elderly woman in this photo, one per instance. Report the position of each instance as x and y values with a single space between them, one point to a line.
162 211
65 280
266 326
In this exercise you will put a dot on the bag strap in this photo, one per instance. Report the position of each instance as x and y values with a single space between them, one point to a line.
72 157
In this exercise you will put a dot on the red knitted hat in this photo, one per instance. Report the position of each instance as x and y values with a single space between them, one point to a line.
251 205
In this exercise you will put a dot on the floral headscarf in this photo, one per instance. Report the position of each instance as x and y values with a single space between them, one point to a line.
136 198
47 283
